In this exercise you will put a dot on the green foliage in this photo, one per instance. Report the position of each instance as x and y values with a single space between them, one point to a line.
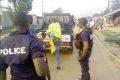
115 5
112 37
106 11
59 10
22 5
95 15
7 29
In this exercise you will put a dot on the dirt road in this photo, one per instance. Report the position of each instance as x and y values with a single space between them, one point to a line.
101 66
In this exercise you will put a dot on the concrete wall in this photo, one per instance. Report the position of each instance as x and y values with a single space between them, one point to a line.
6 21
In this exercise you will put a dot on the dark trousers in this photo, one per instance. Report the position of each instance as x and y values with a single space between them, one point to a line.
35 78
85 69
84 63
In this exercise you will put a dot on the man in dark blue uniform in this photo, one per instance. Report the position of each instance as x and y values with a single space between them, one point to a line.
32 31
85 49
23 53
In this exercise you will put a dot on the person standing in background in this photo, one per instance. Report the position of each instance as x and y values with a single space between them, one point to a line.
32 31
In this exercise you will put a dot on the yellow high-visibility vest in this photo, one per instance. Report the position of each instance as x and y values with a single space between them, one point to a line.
56 29
52 46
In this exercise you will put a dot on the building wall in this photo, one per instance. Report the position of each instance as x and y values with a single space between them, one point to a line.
6 21
5 18
34 19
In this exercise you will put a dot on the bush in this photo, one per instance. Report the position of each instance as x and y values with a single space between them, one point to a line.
112 37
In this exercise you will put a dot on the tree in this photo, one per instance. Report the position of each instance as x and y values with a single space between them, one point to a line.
106 11
59 10
21 5
115 5
95 15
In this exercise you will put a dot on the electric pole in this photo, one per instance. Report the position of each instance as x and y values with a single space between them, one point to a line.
42 8
109 6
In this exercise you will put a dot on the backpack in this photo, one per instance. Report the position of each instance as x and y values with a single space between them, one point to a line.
78 42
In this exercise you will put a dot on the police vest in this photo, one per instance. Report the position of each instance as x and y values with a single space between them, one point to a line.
14 49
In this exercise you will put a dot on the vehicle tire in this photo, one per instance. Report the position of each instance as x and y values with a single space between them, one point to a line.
71 50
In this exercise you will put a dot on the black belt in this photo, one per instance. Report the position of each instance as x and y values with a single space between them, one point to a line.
24 75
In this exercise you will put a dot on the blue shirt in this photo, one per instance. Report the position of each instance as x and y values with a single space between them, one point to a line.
86 36
32 31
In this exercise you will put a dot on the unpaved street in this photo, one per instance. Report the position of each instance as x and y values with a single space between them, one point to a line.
101 66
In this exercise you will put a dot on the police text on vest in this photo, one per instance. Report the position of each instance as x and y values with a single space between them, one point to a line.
18 50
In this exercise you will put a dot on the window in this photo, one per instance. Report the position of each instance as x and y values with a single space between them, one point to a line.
60 18
66 19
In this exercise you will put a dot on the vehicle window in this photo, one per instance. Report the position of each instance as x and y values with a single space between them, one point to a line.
66 19
54 17
60 18
47 18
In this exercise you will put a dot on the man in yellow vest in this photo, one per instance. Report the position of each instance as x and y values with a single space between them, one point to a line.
54 30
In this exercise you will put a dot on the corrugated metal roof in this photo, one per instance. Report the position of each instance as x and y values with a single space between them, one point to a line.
113 12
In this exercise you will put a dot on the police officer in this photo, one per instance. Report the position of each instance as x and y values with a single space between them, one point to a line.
23 53
32 31
86 49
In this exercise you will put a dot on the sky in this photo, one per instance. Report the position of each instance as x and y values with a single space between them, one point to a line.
79 8
76 7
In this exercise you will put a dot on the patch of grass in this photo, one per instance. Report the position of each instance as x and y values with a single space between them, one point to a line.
36 26
6 30
112 37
